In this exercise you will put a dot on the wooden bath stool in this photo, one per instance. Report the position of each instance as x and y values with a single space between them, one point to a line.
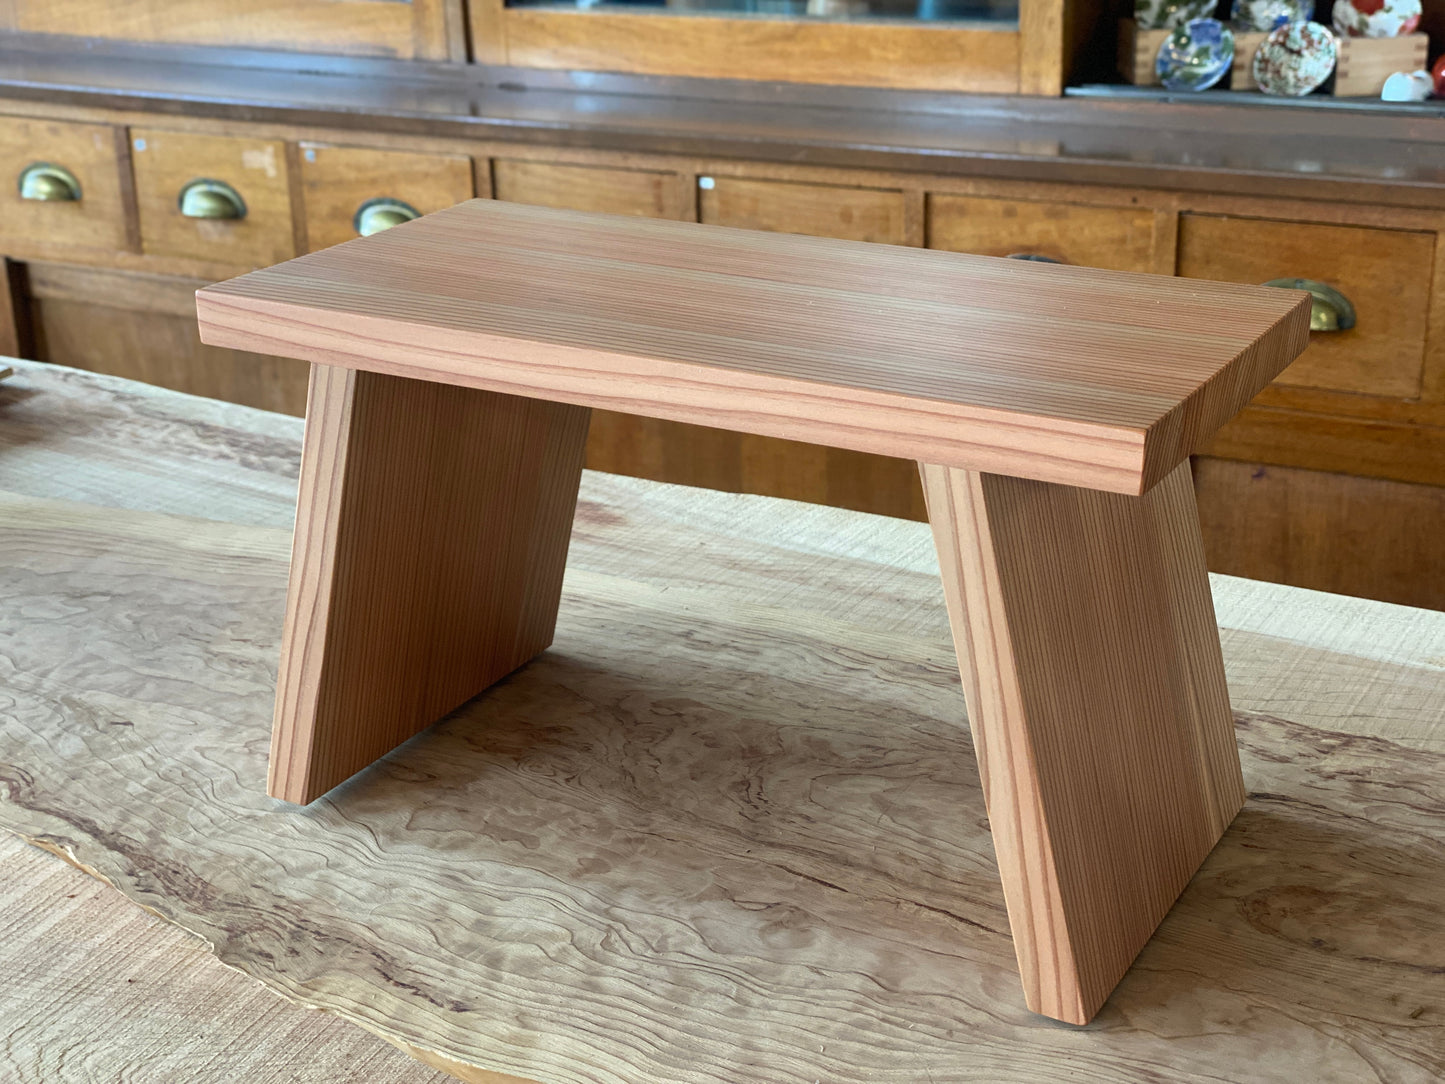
455 360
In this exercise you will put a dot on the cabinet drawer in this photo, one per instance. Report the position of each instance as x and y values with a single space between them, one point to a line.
1385 274
337 182
649 193
1118 238
823 210
87 152
167 162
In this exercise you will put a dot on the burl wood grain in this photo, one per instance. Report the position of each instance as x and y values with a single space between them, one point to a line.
743 843
1099 712
1086 377
97 989
430 542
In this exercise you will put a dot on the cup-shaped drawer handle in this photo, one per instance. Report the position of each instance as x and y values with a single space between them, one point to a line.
1330 310
376 215
1032 257
205 198
52 183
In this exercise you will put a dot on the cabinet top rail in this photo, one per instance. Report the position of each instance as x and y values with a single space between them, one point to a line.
1094 378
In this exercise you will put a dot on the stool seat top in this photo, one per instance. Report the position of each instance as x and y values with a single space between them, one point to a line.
1102 379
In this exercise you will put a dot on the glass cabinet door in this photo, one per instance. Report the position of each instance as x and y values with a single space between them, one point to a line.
935 11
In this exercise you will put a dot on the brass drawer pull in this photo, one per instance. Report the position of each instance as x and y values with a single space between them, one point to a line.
1032 257
43 181
376 215
1330 310
204 198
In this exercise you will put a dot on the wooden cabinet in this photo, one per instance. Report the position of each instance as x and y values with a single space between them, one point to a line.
1120 238
856 214
646 192
255 169
336 182
92 214
1386 274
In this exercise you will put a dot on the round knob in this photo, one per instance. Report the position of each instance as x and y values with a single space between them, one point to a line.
376 215
43 181
204 198
1032 257
1330 310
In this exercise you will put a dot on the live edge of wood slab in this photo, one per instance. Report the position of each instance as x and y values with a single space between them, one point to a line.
727 829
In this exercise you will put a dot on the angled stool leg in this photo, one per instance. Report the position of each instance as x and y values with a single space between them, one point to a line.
1091 664
431 534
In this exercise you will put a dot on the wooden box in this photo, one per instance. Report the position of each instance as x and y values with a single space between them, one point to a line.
1137 49
1365 63
1241 72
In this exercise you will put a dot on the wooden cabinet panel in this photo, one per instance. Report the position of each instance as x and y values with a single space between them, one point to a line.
1119 238
1386 274
973 56
409 30
697 455
336 181
143 327
649 193
1369 537
88 152
823 210
165 162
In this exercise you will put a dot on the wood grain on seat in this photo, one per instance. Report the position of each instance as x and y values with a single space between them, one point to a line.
1062 374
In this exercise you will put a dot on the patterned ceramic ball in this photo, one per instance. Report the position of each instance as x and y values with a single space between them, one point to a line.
1376 18
1262 16
1295 59
1195 56
1167 14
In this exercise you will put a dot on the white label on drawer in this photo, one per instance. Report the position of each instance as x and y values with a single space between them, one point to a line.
260 159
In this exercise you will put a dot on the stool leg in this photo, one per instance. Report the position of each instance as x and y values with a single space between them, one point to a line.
431 534
1095 685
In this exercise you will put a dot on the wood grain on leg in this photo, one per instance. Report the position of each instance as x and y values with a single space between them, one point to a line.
1095 685
427 562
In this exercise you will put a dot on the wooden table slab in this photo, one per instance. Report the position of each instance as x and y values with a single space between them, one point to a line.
717 834
96 989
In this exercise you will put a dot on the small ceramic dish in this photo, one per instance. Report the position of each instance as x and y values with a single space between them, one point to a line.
1195 56
1295 59
1408 87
